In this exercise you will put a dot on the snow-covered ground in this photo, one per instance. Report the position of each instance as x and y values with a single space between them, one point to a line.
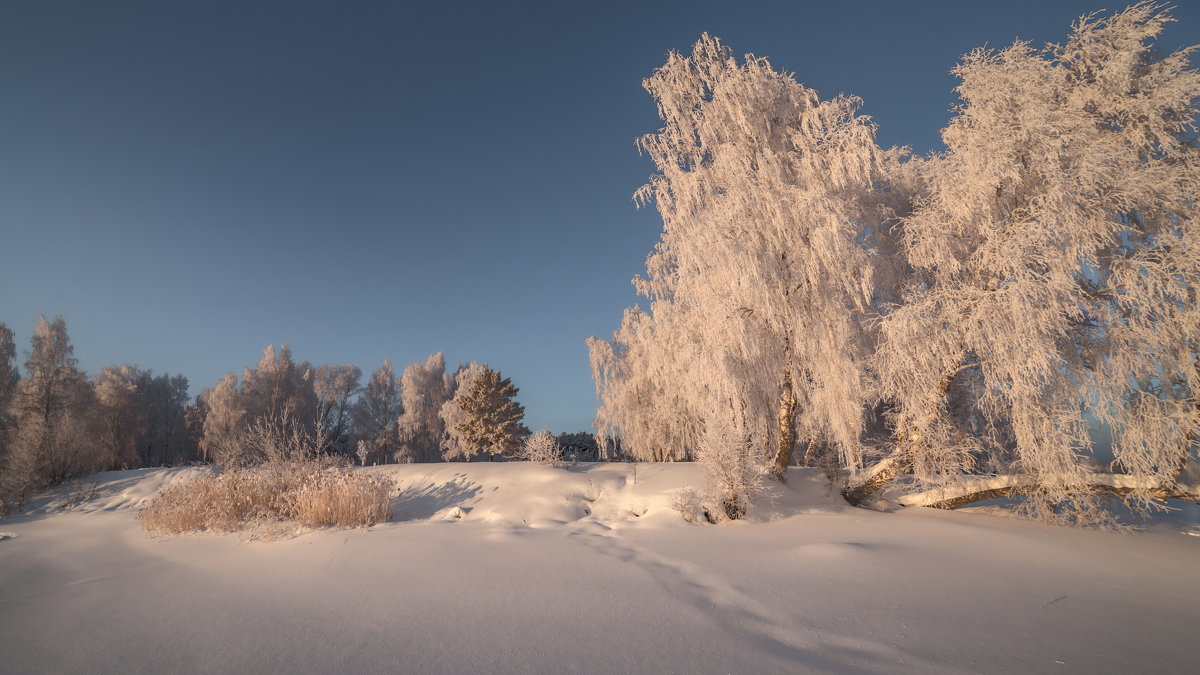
510 567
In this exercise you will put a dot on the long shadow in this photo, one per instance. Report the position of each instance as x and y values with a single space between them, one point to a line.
424 501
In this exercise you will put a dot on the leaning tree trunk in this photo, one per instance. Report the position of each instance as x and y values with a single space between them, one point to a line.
810 453
900 461
979 488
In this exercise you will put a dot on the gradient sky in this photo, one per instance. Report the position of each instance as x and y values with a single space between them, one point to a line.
188 182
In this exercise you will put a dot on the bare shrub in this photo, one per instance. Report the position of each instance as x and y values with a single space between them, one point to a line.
80 493
734 466
542 447
282 439
688 504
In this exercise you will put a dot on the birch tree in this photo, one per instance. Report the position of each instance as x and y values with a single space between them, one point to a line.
764 276
166 440
277 384
334 388
223 421
425 388
1058 261
53 439
376 413
454 444
121 414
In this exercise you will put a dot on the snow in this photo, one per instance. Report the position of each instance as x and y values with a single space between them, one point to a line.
513 567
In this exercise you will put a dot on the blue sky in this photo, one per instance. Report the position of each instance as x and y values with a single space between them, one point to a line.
188 182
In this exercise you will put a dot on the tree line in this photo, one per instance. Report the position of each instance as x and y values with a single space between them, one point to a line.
57 422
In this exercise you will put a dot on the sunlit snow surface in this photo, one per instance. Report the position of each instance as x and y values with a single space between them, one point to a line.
510 567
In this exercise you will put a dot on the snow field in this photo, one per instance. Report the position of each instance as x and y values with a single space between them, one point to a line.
513 567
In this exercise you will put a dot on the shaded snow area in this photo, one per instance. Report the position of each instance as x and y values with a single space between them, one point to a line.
512 567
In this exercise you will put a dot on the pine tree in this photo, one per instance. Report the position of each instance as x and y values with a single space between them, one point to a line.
494 417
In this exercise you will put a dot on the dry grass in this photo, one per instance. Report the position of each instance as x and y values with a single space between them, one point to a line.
234 500
341 499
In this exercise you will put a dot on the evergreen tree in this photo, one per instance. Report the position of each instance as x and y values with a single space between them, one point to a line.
494 417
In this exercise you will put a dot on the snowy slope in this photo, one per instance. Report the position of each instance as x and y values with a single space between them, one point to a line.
510 567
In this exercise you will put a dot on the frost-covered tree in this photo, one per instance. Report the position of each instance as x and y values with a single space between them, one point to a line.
375 415
732 465
424 389
277 384
494 417
166 440
334 388
120 414
224 420
454 445
764 277
53 439
542 447
9 376
644 380
976 308
1057 266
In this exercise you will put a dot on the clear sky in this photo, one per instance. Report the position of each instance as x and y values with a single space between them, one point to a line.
188 182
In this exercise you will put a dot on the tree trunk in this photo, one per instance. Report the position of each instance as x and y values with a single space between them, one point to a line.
980 488
897 463
787 427
810 453
856 492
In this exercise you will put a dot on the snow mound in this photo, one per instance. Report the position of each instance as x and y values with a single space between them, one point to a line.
612 494
109 491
